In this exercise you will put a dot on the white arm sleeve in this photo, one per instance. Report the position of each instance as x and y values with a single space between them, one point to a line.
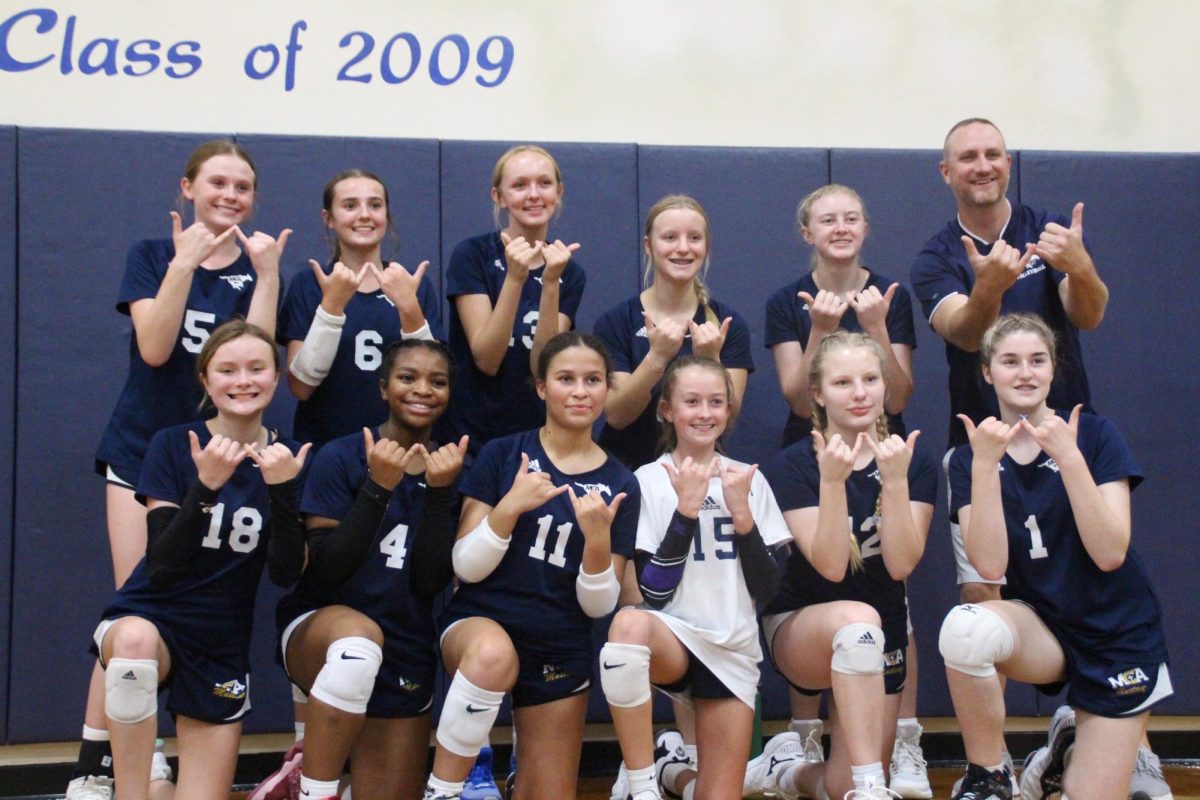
422 332
312 362
478 553
597 594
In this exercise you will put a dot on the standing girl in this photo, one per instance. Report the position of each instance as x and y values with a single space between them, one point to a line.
858 502
176 291
337 320
539 548
221 498
510 292
672 316
838 292
707 527
1042 496
358 633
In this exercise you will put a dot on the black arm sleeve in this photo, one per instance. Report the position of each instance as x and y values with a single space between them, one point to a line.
659 574
173 535
433 543
335 553
759 567
285 551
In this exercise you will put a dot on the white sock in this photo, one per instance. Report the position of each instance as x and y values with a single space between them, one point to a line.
868 775
908 729
445 787
313 789
95 734
299 728
805 726
641 780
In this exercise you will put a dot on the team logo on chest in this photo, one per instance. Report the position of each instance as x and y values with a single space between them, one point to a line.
599 488
534 466
498 265
238 282
1049 464
386 299
878 478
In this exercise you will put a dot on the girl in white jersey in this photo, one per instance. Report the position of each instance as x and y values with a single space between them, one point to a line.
705 535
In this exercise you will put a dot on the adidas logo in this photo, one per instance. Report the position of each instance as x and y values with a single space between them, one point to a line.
129 676
642 332
1049 464
876 476
866 639
709 504
534 466
1000 468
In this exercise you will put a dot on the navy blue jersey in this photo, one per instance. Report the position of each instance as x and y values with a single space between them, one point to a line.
795 477
487 406
159 397
380 587
348 399
532 591
213 603
1111 613
788 320
623 329
942 270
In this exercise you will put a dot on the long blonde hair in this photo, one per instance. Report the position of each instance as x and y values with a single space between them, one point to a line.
845 340
686 203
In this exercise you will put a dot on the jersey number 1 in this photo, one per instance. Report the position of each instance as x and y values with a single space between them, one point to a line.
558 558
243 535
1035 535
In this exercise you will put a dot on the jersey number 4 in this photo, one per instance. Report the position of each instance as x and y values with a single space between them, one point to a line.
243 535
393 547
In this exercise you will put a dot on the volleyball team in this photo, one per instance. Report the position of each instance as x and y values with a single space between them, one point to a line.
433 454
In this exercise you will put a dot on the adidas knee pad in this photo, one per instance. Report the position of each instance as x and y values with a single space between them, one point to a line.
346 680
130 689
858 650
467 717
625 674
973 639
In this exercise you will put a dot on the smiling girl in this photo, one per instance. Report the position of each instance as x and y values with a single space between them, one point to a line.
547 524
707 527
339 318
510 292
221 500
838 292
358 634
858 502
674 315
1042 495
175 291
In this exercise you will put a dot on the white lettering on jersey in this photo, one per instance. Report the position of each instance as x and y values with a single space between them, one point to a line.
599 488
238 282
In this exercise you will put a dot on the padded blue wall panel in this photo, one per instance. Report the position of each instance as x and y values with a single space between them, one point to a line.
86 197
599 211
1140 222
293 171
8 359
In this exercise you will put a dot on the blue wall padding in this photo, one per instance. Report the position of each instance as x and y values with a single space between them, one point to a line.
8 388
85 196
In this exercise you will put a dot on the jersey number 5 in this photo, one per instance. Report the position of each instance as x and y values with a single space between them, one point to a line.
243 535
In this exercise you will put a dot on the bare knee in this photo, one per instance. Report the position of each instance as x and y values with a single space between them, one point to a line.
490 661
132 637
851 612
978 592
630 626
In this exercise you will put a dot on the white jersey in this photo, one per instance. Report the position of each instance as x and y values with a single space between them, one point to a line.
711 611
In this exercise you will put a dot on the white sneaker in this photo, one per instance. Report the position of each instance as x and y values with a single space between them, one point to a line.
160 769
1148 781
871 793
779 754
909 771
90 787
1044 767
669 750
620 788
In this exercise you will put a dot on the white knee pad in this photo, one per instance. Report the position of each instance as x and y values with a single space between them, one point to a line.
130 689
858 649
625 674
346 680
973 639
467 717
